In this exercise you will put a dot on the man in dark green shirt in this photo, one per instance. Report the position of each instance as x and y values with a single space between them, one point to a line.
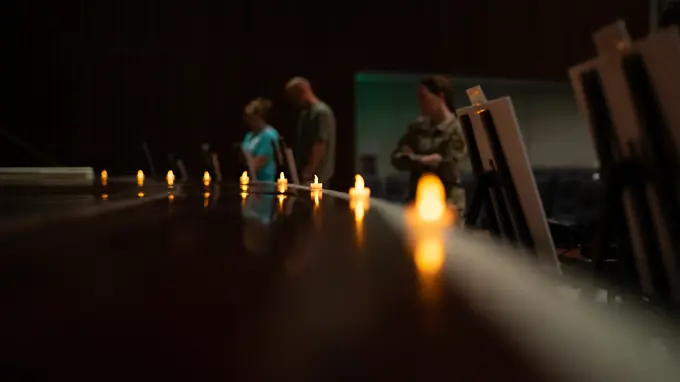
314 148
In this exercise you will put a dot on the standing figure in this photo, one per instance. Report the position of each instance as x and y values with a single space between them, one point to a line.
434 143
261 141
315 136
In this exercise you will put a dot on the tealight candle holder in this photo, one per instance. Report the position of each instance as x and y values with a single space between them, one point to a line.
359 194
316 186
170 178
244 181
282 184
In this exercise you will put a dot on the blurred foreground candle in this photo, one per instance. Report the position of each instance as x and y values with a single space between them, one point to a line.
244 180
316 186
359 195
359 190
281 198
140 178
282 184
170 178
206 179
427 221
316 197
104 177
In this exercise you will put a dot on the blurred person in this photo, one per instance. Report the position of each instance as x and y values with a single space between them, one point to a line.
435 142
261 141
314 148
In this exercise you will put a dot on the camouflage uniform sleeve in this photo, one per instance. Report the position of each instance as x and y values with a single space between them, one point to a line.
410 139
454 148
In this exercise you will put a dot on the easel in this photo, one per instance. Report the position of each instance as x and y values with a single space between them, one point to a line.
505 187
629 93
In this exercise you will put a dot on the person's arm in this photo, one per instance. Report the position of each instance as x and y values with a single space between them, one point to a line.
263 152
400 156
452 150
324 128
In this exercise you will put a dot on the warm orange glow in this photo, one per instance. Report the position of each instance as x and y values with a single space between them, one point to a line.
430 199
359 212
281 199
105 196
170 178
316 186
171 197
429 255
282 184
316 196
104 177
206 199
140 178
244 196
206 179
140 194
359 190
244 180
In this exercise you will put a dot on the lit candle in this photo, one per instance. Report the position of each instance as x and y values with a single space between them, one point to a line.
359 190
170 178
140 178
316 196
206 199
206 179
105 177
244 180
427 221
281 199
316 186
282 184
430 206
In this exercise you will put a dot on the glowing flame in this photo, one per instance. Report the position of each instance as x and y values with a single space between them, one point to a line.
140 177
171 197
206 199
281 199
429 256
170 178
359 191
316 195
282 184
244 196
430 198
140 194
244 178
359 183
206 179
359 212
104 177
105 196
316 179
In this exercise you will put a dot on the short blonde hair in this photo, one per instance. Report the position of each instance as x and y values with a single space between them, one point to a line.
259 106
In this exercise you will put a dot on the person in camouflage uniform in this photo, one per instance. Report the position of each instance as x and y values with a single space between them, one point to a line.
434 143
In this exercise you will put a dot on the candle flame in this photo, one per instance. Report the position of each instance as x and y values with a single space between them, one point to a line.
281 177
430 198
316 179
206 179
244 178
140 177
359 183
170 178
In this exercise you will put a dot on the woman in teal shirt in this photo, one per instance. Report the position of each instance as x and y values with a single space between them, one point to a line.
261 141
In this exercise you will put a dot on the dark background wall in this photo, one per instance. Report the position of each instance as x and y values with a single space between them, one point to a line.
88 81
